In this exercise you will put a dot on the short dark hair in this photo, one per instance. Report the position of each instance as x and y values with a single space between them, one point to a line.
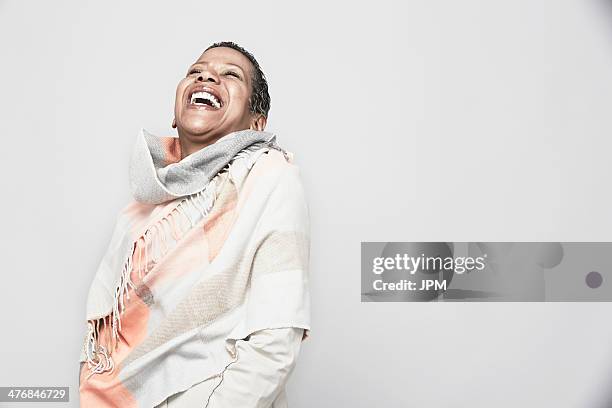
260 97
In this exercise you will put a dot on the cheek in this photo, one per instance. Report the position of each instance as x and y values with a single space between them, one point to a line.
239 93
180 91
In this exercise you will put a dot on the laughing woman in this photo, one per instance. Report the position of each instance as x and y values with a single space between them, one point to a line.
201 299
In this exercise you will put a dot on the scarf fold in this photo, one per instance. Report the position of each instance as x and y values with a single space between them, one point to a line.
157 174
151 273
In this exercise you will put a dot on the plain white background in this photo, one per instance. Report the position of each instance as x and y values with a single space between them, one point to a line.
411 121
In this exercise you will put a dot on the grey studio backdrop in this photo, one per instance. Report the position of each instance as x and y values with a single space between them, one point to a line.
411 121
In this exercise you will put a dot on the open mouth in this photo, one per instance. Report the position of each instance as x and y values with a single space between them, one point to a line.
205 97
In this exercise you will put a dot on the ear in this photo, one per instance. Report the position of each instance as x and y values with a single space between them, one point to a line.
259 123
174 123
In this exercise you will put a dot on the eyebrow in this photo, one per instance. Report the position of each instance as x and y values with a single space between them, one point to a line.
224 63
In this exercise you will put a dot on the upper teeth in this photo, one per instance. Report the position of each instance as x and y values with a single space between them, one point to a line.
205 95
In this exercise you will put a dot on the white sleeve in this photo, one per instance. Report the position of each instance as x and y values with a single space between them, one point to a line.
263 364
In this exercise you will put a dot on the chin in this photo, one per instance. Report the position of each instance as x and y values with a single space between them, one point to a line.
198 127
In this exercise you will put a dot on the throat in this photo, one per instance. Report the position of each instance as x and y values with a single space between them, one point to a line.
188 145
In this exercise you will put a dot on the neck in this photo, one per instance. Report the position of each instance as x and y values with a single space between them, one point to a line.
189 146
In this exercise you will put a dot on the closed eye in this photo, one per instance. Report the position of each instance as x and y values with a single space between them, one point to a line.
228 73
232 73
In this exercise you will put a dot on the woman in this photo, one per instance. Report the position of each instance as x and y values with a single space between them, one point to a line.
202 297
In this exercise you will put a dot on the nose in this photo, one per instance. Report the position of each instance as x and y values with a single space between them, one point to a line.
207 76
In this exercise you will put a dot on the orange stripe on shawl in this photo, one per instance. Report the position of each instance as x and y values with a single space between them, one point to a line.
181 260
105 389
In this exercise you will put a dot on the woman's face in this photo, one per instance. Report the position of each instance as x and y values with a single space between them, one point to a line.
213 98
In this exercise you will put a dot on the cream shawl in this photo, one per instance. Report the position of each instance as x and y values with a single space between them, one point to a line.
213 248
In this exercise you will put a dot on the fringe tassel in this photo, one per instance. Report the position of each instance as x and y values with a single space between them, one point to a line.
99 358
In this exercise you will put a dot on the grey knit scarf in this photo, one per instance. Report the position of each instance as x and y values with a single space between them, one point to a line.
155 178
